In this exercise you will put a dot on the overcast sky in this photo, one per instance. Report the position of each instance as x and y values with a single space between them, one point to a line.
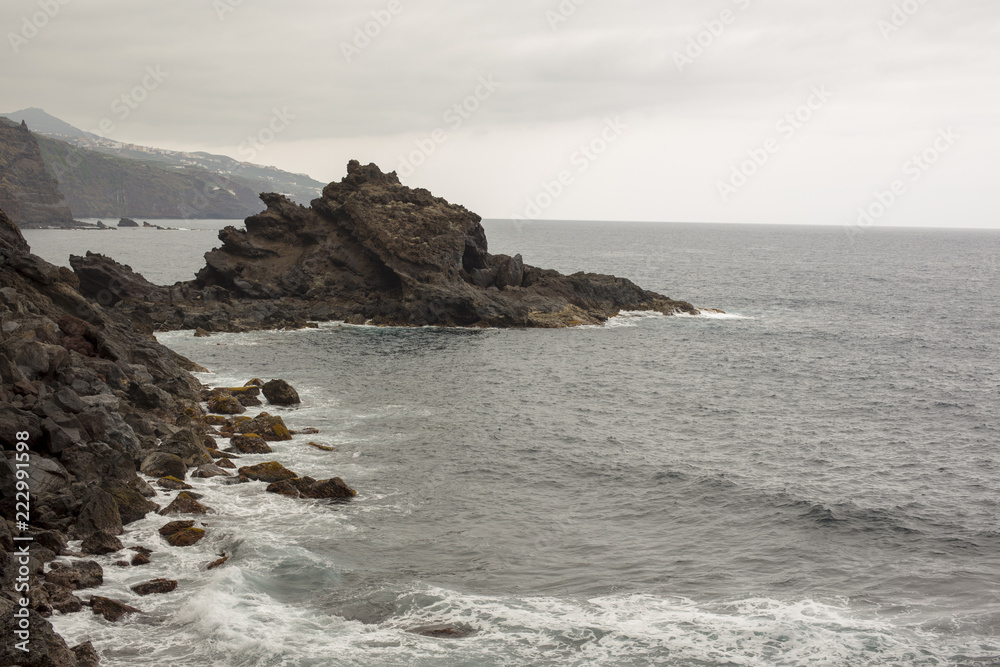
784 111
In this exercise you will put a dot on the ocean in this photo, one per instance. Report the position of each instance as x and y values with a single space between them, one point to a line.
812 478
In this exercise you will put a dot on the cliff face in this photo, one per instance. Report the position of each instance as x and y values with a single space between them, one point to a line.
28 192
93 397
368 250
98 185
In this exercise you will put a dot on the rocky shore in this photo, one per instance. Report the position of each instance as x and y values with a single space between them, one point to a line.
102 410
370 250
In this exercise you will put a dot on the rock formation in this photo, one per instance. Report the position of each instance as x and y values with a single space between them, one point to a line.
28 192
369 250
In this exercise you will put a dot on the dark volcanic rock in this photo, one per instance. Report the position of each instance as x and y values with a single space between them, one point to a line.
250 443
307 487
279 392
110 609
186 537
156 586
101 543
79 575
127 222
184 503
371 249
268 472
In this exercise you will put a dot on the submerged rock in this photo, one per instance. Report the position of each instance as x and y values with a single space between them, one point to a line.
156 586
111 609
307 487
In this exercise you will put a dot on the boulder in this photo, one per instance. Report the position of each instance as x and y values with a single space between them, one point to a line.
62 599
268 427
188 446
162 464
45 647
101 543
184 503
307 487
172 484
127 222
140 559
279 392
169 529
250 443
111 609
156 586
132 505
99 514
75 577
225 404
208 471
186 537
267 472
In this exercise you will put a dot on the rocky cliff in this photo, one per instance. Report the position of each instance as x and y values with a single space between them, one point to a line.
28 192
368 250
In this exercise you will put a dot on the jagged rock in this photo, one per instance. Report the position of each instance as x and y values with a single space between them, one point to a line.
225 404
188 446
101 543
155 586
250 443
225 463
162 464
75 577
371 249
110 609
45 647
279 392
247 396
307 487
127 222
184 503
132 505
267 472
139 559
61 599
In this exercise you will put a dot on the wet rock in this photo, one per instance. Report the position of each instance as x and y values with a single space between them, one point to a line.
132 505
267 472
225 463
154 587
140 559
172 484
445 631
279 392
250 443
110 609
324 448
186 537
75 577
225 404
188 446
267 426
208 471
98 514
101 543
169 529
86 655
201 333
256 382
307 487
247 396
184 503
163 464
217 563
45 647
62 599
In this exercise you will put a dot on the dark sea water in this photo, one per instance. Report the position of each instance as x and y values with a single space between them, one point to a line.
812 479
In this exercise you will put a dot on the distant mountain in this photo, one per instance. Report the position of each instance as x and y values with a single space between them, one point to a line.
43 123
299 188
28 193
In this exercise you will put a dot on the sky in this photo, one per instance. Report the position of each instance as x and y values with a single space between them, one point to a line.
855 113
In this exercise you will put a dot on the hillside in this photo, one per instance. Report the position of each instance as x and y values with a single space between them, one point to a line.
28 192
97 185
300 188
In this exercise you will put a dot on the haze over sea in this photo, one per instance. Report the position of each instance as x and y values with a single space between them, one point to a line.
811 479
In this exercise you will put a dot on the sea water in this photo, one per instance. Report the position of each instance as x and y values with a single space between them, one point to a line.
812 478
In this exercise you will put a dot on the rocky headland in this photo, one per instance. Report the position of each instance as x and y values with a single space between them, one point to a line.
370 250
28 192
